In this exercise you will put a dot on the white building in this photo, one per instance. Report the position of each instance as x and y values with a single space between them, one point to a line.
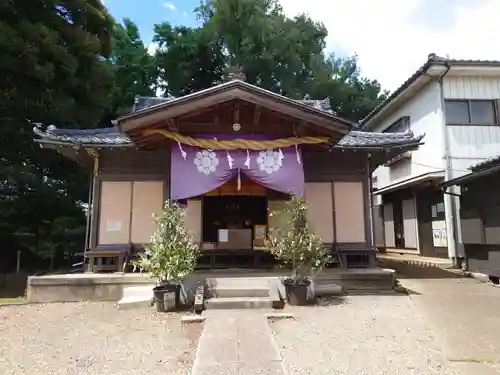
456 104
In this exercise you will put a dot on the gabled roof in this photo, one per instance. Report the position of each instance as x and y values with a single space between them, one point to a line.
316 112
113 137
433 61
142 102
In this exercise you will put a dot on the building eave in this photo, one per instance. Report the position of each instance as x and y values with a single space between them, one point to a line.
409 182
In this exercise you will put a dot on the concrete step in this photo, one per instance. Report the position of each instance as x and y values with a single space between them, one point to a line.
136 297
227 292
138 291
239 303
134 302
238 282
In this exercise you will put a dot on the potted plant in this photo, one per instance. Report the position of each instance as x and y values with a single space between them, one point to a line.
171 255
293 243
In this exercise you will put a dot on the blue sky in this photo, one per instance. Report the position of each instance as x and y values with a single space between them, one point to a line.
147 13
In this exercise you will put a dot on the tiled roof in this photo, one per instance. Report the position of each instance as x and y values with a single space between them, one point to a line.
371 139
486 164
111 136
432 60
102 136
142 102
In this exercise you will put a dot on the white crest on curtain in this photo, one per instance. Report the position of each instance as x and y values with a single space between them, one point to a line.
206 161
270 161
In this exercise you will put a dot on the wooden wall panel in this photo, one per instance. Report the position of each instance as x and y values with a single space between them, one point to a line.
147 199
350 212
114 217
323 166
320 214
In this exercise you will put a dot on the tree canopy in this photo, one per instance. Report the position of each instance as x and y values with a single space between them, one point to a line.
53 70
70 64
281 54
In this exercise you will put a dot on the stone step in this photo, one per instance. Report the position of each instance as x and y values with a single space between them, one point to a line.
138 291
134 302
238 282
239 303
238 292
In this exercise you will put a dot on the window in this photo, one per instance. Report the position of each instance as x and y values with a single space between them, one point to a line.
437 210
470 112
399 126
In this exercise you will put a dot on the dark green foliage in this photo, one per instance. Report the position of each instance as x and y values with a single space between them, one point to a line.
134 68
188 59
53 70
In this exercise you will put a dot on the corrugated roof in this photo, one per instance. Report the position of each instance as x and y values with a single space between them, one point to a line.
111 136
432 60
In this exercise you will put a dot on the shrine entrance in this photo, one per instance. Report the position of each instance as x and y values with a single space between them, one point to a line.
234 225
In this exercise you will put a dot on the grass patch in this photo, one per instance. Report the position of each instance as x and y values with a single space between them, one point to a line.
9 300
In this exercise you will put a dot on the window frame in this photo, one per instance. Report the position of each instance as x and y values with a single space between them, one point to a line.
496 119
405 122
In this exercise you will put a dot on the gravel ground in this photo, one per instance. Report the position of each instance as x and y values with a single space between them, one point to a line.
359 335
93 338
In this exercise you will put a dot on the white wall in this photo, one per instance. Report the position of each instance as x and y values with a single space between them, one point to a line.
425 114
470 145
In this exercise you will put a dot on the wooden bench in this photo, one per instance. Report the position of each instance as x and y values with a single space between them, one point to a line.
97 260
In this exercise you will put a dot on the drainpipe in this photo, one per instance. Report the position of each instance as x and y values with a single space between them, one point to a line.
449 200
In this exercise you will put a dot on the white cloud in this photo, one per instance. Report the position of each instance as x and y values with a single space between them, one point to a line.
393 38
152 47
170 6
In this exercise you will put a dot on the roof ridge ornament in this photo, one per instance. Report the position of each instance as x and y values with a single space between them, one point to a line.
236 74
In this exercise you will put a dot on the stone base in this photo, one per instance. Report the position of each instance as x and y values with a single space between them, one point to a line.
110 287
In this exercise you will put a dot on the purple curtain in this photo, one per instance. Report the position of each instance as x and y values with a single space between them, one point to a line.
196 171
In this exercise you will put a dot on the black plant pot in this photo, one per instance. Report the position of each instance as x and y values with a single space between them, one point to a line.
160 296
296 294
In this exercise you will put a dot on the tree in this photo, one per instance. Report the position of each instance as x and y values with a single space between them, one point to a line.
53 70
351 95
134 68
188 59
277 53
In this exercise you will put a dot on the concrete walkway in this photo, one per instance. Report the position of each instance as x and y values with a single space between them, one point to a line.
237 344
463 314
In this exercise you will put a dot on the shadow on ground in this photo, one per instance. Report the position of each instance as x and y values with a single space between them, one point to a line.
411 271
326 301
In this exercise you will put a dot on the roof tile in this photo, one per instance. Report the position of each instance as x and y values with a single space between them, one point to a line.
111 136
